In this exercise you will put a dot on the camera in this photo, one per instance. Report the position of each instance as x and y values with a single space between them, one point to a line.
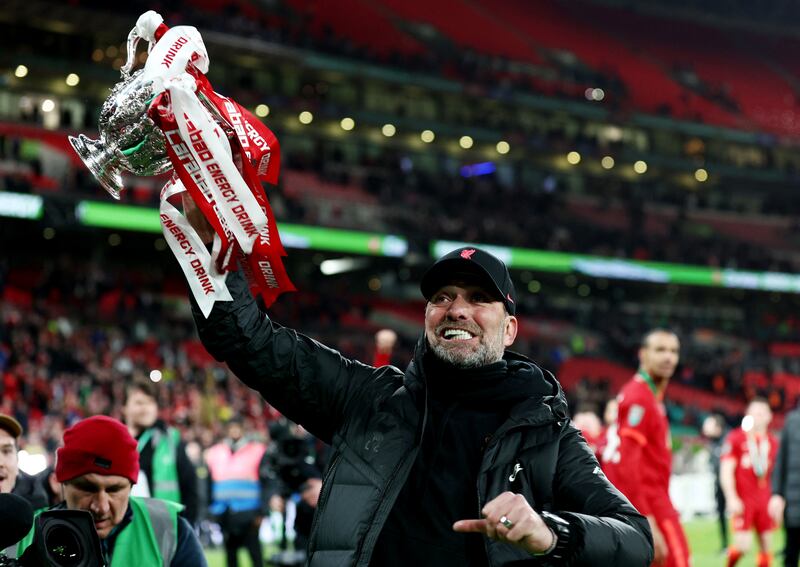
62 538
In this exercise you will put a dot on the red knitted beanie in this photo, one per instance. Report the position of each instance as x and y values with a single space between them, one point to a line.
99 445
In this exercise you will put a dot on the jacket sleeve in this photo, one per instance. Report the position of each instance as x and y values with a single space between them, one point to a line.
188 553
607 529
781 463
308 382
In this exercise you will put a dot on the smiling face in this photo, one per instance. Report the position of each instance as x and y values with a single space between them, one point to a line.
9 463
106 497
467 327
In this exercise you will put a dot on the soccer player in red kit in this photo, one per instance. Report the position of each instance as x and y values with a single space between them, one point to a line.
748 457
640 467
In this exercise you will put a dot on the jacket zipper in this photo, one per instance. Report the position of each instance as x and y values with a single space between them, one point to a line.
497 441
369 541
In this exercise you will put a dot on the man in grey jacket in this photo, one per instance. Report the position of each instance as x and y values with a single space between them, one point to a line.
466 458
784 506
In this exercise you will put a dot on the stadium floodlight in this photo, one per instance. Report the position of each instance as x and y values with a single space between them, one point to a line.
427 136
347 124
305 117
336 266
502 147
465 142
72 80
388 130
573 158
607 162
262 110
701 175
640 167
21 71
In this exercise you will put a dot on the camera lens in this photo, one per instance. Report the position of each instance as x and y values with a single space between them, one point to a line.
63 546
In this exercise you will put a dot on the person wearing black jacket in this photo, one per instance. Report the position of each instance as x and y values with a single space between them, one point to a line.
466 458
175 477
784 506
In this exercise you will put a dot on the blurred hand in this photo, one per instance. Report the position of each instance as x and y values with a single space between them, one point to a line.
196 218
385 340
257 521
734 505
659 543
528 531
776 506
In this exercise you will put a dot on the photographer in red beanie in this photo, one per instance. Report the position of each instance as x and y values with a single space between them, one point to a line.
97 466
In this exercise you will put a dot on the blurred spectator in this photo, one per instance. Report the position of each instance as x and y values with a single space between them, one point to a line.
165 471
12 479
714 431
240 498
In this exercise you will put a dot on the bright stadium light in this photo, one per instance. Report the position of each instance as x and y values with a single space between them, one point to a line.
347 123
305 117
48 105
503 147
388 130
427 136
574 158
640 167
262 110
465 142
32 464
72 80
607 162
598 94
155 376
701 175
21 71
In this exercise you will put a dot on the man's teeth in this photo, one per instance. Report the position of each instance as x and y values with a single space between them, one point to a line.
457 334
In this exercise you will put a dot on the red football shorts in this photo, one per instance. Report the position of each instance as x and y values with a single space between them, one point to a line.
754 516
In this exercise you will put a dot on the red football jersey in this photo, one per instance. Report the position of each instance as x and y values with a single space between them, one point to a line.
754 456
641 465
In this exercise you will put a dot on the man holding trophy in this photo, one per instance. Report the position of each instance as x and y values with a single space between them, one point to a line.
466 458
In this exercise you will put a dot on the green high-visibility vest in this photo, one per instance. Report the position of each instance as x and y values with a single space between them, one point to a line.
164 469
151 538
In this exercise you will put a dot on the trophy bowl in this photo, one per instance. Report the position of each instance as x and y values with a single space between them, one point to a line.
129 139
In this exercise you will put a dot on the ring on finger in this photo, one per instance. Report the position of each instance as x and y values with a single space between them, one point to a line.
506 522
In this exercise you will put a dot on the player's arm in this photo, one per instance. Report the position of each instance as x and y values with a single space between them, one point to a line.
633 419
727 479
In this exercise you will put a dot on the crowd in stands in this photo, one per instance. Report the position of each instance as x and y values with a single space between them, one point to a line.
73 336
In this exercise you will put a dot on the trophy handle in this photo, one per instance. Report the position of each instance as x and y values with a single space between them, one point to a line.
101 161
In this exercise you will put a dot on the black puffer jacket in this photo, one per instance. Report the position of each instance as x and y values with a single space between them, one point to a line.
786 475
373 417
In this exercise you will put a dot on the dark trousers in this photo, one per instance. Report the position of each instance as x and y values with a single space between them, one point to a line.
791 553
247 539
723 519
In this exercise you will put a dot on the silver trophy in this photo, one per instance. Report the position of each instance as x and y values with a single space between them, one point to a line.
129 139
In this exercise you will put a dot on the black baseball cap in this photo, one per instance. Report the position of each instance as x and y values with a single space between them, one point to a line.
473 262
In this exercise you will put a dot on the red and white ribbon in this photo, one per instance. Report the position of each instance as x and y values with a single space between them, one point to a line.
205 282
